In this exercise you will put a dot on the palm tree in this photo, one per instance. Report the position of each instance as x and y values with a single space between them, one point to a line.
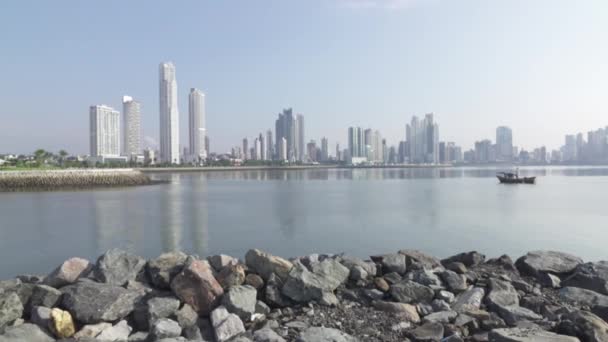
40 156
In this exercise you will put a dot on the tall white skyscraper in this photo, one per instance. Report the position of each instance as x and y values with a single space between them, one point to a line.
131 127
198 132
504 143
104 131
283 149
422 137
169 114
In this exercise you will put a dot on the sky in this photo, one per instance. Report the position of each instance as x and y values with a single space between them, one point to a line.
537 66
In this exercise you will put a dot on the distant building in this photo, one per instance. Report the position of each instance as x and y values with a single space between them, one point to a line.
483 151
324 149
149 157
197 130
282 149
423 140
131 127
338 153
104 131
257 149
300 133
169 114
291 128
504 144
270 154
245 149
356 142
263 152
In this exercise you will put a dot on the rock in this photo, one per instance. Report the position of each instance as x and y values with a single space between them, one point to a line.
513 314
401 326
186 316
527 335
583 297
273 296
165 328
405 311
265 264
392 278
350 262
549 280
219 261
41 316
241 300
68 272
373 294
424 309
425 260
162 269
225 324
381 284
148 311
426 277
328 299
501 293
441 317
304 286
440 305
394 263
61 323
321 334
470 299
428 332
10 308
547 261
521 285
90 302
140 336
267 335
26 332
231 275
469 259
116 267
446 296
91 330
505 262
585 325
453 281
457 267
196 286
591 276
118 332
411 292
357 273
254 280
261 308
43 295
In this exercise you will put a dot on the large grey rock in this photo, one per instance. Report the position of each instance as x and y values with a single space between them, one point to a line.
404 311
266 264
118 332
394 263
303 285
91 330
148 311
591 276
241 300
117 267
165 328
428 332
267 335
68 272
547 261
584 297
196 286
513 314
585 325
453 281
411 292
43 295
320 334
441 317
527 335
10 308
225 324
468 259
186 316
420 258
40 316
162 269
350 262
231 275
219 261
90 302
140 336
273 295
501 293
469 300
26 332
426 277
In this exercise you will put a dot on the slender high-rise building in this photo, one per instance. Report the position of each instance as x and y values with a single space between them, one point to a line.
131 127
263 150
301 150
504 143
269 146
324 149
169 114
246 149
283 149
196 111
287 127
104 130
422 137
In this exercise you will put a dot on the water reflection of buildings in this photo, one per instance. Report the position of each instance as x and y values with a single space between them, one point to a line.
289 209
118 220
198 210
171 215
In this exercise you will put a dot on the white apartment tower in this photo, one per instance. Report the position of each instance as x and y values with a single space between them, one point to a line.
131 127
198 132
169 114
104 124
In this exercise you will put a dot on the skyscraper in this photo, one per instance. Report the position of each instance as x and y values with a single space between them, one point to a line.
169 114
423 140
282 149
131 127
269 146
104 123
257 148
356 142
504 144
287 127
324 149
262 154
245 149
300 137
196 125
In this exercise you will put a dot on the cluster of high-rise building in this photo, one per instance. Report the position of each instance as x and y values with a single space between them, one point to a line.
577 149
114 139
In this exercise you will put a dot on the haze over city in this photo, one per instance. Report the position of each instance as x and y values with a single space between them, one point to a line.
538 67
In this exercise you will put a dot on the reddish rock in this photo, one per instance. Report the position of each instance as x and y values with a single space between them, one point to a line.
68 272
196 286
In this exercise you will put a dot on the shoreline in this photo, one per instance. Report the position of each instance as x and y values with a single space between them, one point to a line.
403 296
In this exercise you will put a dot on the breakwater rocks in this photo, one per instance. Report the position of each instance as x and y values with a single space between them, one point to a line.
405 296
70 179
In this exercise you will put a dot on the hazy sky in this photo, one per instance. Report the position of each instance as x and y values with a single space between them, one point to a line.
540 67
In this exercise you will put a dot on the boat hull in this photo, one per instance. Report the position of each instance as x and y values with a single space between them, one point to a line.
524 180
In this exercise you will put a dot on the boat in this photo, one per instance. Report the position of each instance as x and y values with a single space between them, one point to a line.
513 178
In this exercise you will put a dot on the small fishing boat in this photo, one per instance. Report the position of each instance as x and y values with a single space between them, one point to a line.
513 178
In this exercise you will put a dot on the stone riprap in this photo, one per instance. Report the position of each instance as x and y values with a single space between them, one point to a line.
70 179
404 296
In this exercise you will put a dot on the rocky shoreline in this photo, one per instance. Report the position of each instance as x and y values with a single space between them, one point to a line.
48 180
404 296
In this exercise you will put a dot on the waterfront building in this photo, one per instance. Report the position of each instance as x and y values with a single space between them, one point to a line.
169 114
311 151
196 111
423 140
483 151
131 127
282 149
104 131
291 128
245 149
270 154
504 143
324 150
257 149
149 157
300 137
262 154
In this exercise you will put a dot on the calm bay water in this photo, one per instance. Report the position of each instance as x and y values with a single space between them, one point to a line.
289 213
